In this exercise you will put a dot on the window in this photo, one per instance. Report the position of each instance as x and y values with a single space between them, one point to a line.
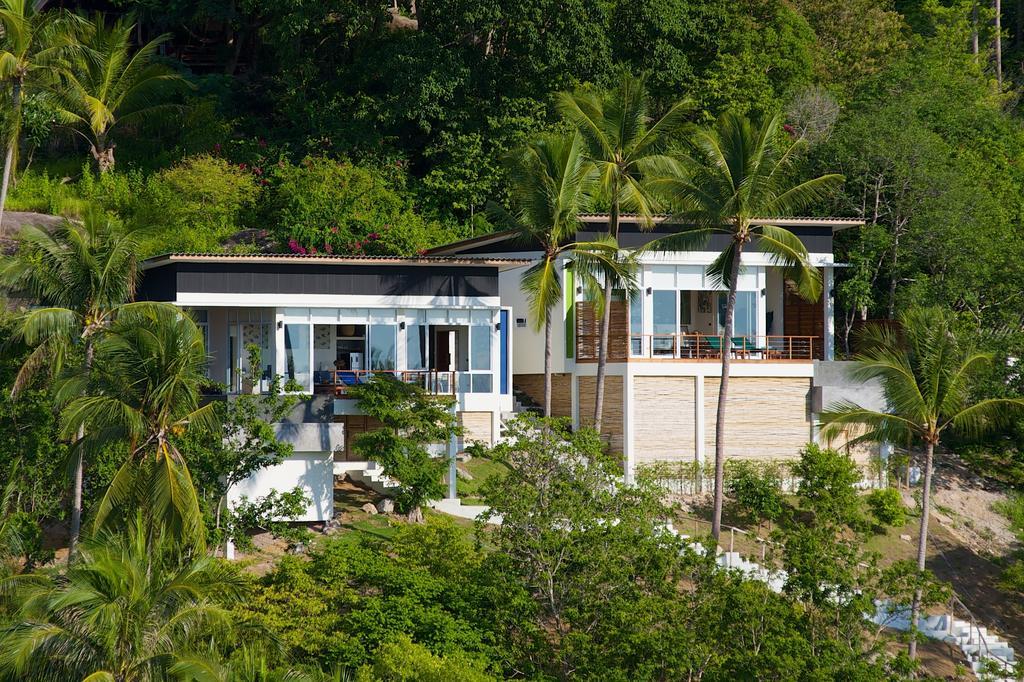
664 308
383 346
745 315
685 311
296 353
416 346
636 324
480 347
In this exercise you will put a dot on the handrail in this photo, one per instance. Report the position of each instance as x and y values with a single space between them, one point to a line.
438 382
698 346
974 628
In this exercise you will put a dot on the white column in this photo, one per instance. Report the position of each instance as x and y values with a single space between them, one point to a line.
279 351
698 417
762 304
627 428
829 312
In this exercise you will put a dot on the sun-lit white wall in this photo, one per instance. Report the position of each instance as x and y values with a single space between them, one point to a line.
311 471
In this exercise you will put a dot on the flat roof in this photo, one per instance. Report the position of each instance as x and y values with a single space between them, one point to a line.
591 219
328 259
781 221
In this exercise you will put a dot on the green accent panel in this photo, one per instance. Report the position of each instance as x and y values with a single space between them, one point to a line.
569 294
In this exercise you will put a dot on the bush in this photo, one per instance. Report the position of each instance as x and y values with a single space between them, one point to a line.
1012 579
828 481
401 660
322 205
886 505
756 490
195 205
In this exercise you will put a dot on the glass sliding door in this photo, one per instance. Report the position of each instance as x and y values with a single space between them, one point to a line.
664 322
480 359
636 324
383 346
297 363
745 315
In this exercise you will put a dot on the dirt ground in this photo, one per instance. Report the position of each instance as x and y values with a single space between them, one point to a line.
962 502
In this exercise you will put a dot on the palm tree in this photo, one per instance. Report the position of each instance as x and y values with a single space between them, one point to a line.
81 274
927 375
11 539
108 85
32 44
144 391
627 151
127 610
550 187
733 173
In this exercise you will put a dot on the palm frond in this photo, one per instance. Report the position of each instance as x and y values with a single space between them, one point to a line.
785 250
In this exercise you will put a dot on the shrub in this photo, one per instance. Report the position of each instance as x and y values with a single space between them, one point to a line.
322 205
828 481
1012 579
411 420
886 506
400 658
195 205
756 490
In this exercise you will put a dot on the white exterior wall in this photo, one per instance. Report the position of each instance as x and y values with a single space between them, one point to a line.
311 471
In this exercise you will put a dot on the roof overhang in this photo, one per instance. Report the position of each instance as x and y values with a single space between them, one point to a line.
323 259
791 221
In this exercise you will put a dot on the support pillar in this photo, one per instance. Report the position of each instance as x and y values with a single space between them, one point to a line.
829 299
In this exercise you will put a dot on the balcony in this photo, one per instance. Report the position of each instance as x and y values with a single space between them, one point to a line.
705 347
438 382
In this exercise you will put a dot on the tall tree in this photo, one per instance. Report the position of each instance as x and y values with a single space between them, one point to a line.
551 184
735 172
144 391
928 374
627 149
31 45
129 609
81 274
108 85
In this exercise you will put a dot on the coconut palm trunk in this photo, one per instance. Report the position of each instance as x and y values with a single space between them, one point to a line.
606 321
12 143
922 543
79 470
547 366
723 393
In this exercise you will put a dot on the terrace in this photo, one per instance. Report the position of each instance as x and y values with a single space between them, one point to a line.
676 320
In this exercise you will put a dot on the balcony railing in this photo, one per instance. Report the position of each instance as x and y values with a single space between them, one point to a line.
438 382
707 347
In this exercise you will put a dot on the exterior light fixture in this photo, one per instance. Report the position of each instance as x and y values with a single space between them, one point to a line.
401 325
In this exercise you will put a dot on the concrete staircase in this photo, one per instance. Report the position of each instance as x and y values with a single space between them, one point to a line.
372 476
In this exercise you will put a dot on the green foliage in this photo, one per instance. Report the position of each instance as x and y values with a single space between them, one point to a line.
128 603
271 512
402 660
756 490
353 595
143 389
886 505
828 481
411 419
197 205
323 206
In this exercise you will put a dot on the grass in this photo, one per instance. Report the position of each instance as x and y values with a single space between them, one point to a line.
480 469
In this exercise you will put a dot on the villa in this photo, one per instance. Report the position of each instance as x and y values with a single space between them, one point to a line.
455 321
